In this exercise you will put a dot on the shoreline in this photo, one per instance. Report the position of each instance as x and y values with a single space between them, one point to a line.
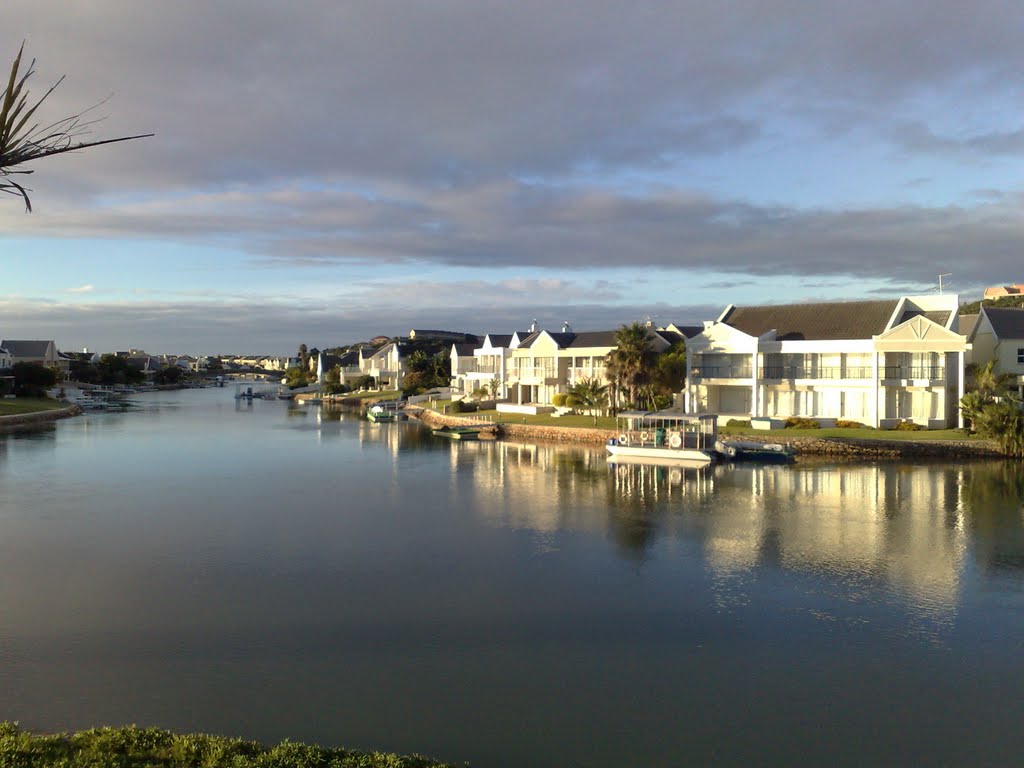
835 447
16 420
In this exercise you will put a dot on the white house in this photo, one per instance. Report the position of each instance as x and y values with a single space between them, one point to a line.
39 351
875 362
998 334
386 364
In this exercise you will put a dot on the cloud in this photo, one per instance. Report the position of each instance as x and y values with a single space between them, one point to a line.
81 289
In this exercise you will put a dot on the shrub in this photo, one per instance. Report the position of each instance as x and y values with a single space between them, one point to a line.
464 406
847 424
738 423
334 389
800 422
559 399
908 426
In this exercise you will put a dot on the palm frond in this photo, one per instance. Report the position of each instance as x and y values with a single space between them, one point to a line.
23 141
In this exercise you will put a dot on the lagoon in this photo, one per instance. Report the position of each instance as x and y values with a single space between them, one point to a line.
271 571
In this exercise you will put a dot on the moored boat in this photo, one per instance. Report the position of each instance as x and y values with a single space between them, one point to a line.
665 437
459 433
748 450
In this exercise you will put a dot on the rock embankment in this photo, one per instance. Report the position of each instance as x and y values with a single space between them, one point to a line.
21 420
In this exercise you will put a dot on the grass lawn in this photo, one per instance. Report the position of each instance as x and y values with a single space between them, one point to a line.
607 422
28 405
859 434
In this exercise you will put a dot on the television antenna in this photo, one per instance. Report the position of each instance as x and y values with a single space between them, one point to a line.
945 274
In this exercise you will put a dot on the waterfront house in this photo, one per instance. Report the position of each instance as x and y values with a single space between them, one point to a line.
874 362
43 352
386 365
547 363
6 359
475 365
998 334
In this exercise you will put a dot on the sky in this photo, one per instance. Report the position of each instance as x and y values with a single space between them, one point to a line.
324 171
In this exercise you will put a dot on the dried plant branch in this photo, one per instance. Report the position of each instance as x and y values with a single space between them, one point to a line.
22 141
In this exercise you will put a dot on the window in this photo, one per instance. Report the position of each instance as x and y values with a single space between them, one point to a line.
1020 355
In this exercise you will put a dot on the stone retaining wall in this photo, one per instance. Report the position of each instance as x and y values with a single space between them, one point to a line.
17 421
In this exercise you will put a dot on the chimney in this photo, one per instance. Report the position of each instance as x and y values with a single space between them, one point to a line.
533 326
566 328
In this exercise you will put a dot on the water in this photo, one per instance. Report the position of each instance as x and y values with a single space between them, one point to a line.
274 572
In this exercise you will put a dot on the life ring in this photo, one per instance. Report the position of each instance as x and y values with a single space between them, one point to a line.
676 441
623 439
643 437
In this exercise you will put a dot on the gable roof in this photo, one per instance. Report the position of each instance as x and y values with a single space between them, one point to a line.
967 323
464 350
26 348
823 321
939 317
593 339
499 340
1007 323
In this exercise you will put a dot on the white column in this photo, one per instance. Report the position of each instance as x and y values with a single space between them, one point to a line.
875 422
755 408
959 388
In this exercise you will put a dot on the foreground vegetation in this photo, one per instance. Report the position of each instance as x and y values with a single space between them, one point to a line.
24 405
133 747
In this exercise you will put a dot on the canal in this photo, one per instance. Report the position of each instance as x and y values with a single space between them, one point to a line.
270 571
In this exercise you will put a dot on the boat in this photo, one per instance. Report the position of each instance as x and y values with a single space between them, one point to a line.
380 414
748 450
459 433
665 437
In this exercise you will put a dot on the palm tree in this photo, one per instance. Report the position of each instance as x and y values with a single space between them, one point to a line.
631 364
588 394
22 141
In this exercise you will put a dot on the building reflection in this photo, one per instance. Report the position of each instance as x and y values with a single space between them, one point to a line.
909 528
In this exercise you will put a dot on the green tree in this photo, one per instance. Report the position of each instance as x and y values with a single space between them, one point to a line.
23 140
588 394
169 374
32 379
1003 421
296 376
304 357
116 370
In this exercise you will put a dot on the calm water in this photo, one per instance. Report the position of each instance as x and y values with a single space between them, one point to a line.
267 571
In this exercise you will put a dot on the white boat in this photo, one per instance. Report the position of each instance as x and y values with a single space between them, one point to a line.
665 437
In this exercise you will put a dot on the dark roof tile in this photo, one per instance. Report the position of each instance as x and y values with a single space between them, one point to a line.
823 321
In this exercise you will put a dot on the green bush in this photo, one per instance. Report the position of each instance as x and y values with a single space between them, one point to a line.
738 423
800 422
558 399
464 406
334 389
847 424
908 426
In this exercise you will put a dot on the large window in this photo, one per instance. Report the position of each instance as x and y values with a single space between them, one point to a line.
1020 355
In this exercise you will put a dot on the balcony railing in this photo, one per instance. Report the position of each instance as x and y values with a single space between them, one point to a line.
929 372
724 371
782 372
532 372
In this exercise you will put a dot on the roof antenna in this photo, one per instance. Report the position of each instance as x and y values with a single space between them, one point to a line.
946 274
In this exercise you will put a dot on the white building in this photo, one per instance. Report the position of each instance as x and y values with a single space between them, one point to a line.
874 362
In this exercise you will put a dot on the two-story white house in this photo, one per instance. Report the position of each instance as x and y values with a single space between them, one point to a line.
875 362
385 364
475 366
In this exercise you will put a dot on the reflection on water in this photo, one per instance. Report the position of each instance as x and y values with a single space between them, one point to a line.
907 526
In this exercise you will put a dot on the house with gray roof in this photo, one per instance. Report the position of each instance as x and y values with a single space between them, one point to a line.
39 351
874 362
998 334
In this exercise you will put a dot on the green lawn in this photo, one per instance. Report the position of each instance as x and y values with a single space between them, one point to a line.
385 394
607 422
859 434
28 405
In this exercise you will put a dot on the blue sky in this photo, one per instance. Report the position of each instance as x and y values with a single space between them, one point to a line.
326 172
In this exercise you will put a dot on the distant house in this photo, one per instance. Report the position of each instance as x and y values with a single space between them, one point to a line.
998 334
43 352
457 337
875 362
6 359
996 291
